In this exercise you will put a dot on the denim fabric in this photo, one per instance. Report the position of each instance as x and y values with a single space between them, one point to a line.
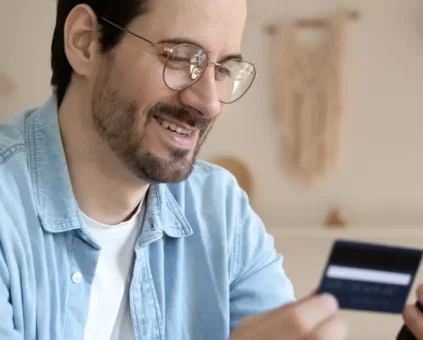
202 262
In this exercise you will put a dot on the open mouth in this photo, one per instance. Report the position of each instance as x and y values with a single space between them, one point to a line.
173 127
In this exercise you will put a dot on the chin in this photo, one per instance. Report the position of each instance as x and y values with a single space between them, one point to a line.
173 168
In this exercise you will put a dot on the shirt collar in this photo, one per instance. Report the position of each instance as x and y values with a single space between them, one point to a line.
55 202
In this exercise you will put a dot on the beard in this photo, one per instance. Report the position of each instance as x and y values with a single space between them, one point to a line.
119 122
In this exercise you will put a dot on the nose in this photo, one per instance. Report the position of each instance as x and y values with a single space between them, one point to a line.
203 95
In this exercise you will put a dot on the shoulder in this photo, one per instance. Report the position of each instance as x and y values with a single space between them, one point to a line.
13 137
14 173
213 203
211 186
216 179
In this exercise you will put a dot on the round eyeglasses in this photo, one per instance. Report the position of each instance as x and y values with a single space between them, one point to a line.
184 65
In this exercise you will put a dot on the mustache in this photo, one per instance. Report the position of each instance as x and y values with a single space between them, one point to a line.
181 114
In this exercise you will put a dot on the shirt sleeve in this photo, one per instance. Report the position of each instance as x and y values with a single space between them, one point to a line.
7 329
258 282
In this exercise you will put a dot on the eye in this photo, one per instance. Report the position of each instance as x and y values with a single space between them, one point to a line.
180 59
223 71
184 56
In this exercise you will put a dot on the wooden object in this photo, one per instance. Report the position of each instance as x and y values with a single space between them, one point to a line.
311 22
239 169
336 218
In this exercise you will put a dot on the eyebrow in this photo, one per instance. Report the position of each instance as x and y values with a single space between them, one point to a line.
178 41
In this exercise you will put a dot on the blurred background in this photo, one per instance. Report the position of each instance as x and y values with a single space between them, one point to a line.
377 180
375 188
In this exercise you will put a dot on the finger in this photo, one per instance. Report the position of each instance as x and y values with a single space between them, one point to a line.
303 317
291 321
413 318
334 328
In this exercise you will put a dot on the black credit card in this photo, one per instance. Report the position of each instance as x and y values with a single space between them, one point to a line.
370 277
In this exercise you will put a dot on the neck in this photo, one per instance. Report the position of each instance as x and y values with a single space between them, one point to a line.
104 188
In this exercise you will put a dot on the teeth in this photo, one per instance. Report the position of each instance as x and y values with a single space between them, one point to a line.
165 124
175 128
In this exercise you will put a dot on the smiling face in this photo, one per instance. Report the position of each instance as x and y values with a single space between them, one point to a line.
157 132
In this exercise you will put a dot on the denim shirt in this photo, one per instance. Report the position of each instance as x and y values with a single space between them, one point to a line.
203 260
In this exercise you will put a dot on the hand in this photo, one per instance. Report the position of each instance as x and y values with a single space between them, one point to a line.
413 317
313 318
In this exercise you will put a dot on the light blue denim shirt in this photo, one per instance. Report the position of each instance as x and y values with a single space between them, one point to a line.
203 260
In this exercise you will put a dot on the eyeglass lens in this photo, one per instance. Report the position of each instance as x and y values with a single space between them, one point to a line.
187 63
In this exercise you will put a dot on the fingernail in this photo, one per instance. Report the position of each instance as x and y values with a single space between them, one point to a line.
330 300
411 312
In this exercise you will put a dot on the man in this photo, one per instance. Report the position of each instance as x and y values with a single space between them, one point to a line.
109 228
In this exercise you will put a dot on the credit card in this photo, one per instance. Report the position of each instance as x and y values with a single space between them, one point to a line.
370 277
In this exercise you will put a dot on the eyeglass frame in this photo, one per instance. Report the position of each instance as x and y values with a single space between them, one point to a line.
169 52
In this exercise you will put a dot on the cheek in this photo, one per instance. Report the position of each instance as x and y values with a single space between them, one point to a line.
144 83
141 77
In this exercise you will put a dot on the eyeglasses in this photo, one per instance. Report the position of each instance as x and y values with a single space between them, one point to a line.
184 65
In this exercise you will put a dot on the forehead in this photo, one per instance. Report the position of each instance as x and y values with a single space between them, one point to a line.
216 24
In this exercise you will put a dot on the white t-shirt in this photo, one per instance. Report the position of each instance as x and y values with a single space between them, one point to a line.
109 315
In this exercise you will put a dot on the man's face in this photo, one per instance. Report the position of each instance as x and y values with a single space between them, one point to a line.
133 110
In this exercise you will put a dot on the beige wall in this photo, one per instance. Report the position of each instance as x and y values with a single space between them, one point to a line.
26 28
379 178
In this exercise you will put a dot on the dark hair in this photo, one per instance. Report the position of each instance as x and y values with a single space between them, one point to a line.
121 12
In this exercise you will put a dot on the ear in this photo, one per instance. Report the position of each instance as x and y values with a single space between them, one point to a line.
82 47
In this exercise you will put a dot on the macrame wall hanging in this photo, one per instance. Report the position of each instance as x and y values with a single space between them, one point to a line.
308 94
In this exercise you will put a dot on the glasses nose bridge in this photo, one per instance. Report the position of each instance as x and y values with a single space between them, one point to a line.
214 62
203 70
215 66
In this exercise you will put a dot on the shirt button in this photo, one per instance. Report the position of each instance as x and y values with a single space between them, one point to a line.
76 277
